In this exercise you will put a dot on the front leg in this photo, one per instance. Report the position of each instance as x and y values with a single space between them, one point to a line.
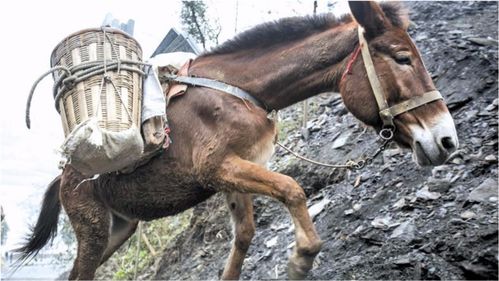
239 175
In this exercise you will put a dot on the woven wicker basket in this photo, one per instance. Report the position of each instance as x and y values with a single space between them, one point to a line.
115 112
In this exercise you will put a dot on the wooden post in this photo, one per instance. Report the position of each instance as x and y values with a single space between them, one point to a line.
304 130
137 252
148 244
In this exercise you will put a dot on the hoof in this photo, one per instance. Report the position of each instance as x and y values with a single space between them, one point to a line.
296 272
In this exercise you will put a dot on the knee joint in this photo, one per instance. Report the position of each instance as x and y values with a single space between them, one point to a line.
312 249
244 236
294 194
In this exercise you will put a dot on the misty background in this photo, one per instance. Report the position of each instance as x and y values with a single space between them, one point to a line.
31 30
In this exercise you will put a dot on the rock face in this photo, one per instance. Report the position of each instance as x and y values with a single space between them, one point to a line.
392 220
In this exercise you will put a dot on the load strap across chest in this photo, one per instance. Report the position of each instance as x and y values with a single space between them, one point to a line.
216 85
183 78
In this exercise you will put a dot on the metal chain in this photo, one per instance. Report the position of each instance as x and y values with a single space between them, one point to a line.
386 134
369 159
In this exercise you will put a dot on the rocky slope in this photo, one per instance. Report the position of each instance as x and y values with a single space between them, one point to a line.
392 220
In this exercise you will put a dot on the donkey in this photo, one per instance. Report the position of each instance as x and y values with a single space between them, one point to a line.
221 142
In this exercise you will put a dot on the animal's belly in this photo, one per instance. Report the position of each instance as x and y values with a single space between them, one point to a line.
148 199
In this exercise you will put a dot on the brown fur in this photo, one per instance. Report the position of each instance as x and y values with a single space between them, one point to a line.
221 142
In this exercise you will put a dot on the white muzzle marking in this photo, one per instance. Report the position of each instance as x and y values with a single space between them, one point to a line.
433 143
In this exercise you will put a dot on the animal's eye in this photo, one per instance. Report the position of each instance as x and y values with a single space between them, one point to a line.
403 59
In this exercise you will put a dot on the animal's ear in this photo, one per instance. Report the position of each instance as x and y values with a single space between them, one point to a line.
370 16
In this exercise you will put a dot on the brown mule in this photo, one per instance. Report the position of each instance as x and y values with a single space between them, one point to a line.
221 143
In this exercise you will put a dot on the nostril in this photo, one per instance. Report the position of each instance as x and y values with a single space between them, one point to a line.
448 143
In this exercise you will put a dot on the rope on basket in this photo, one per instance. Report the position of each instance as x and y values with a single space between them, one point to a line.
75 74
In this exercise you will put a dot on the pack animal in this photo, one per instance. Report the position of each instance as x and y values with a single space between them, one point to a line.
221 142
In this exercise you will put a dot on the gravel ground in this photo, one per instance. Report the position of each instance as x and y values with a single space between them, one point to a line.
393 220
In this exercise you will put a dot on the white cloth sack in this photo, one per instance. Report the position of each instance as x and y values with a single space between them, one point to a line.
153 99
93 150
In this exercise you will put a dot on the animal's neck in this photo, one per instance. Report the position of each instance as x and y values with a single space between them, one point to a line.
284 74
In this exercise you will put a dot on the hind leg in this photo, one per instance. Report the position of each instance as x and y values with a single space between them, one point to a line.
121 230
241 210
90 220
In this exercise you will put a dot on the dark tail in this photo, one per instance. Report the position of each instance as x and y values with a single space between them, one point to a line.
46 225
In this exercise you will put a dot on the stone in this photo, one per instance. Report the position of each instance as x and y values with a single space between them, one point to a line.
278 227
491 107
405 231
455 31
357 206
348 212
341 140
483 41
484 191
271 243
357 181
441 212
402 260
467 215
399 204
485 113
442 170
457 160
463 25
458 100
491 158
383 223
318 207
389 154
476 141
425 194
305 132
315 127
470 115
438 185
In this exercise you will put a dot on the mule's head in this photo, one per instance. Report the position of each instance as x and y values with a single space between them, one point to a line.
428 129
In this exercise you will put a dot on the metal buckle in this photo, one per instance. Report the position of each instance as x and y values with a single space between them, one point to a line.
387 132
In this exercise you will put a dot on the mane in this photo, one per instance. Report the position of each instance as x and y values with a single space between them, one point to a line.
282 30
396 13
294 28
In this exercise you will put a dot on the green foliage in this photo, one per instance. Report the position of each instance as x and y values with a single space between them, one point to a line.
294 121
160 233
197 23
4 228
286 127
66 231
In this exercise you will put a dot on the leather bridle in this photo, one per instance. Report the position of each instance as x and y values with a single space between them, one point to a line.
387 113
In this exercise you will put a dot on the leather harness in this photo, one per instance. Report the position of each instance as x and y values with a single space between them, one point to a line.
182 79
386 113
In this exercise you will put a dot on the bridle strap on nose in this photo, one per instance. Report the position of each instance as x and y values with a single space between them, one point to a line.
386 112
410 104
